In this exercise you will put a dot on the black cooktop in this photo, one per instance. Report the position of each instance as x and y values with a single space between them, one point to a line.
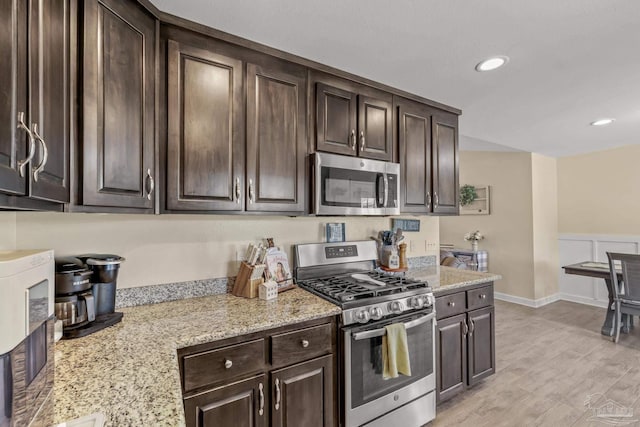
345 288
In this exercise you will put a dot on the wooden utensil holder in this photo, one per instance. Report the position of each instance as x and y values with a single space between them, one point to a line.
248 279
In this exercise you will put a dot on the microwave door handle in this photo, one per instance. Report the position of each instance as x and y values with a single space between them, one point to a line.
386 191
382 331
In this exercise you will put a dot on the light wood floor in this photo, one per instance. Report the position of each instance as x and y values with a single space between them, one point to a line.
550 362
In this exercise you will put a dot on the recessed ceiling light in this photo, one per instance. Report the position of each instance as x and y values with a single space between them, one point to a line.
492 63
602 122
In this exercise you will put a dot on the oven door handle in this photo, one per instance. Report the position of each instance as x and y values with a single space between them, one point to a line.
382 331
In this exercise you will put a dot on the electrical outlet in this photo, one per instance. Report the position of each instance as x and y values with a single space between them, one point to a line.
411 246
431 246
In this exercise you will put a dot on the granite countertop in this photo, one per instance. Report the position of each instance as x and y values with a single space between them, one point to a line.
446 278
129 372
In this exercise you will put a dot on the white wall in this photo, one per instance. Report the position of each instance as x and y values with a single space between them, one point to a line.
7 230
176 248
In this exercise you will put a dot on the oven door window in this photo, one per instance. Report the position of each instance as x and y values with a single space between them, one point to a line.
367 383
352 188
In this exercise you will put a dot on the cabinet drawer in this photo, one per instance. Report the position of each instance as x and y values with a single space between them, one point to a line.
450 305
220 365
481 297
301 345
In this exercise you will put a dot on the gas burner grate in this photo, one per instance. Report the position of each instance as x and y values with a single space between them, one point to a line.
345 288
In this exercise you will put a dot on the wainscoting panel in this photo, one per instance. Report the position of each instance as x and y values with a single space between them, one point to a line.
574 248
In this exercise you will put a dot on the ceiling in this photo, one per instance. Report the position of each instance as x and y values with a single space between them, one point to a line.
571 61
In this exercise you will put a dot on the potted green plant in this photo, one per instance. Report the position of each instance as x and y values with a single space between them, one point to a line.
468 194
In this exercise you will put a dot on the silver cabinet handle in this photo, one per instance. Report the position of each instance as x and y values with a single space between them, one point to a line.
451 304
482 296
32 144
472 327
428 200
304 343
261 391
353 139
465 328
228 364
238 193
250 191
362 140
435 196
152 184
45 152
277 394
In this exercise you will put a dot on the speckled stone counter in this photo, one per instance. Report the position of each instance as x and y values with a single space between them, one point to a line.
446 278
129 372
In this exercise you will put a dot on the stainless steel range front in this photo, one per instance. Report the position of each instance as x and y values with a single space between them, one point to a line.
344 273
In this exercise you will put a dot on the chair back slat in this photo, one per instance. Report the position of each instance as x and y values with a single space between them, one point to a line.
630 265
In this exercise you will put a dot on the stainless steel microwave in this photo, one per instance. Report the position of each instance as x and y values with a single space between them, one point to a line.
344 185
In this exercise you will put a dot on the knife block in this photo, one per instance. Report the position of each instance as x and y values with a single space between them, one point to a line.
248 279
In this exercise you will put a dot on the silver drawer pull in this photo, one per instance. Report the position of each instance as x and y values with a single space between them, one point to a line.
451 304
304 343
483 296
277 394
228 363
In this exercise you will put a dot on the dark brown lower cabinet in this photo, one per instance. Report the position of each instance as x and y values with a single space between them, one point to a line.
241 404
280 377
465 341
452 357
302 394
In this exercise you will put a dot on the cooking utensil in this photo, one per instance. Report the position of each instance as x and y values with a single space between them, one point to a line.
365 278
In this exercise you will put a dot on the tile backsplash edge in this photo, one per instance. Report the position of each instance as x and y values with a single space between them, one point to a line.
153 294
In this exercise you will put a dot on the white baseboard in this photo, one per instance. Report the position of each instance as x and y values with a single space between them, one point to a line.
583 300
528 302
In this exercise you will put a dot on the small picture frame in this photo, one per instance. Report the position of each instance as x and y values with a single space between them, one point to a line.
335 232
278 268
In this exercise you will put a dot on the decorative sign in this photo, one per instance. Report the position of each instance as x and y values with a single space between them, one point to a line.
406 224
335 232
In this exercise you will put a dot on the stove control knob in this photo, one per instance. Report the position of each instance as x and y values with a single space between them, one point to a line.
417 302
375 313
396 307
362 316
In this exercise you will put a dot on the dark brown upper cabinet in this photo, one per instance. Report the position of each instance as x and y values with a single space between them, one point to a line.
35 128
206 138
428 146
276 137
354 124
118 97
445 163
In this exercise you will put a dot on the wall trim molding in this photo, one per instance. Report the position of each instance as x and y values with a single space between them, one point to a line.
541 302
528 302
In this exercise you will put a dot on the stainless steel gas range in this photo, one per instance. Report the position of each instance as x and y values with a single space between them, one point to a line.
344 274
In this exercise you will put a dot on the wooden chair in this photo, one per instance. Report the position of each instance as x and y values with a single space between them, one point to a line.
626 298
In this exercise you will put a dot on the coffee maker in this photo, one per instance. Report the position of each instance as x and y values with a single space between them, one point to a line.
86 293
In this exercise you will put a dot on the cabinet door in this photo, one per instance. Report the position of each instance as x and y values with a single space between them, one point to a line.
118 105
13 95
302 395
445 163
49 98
414 131
276 137
451 349
336 120
482 360
205 162
375 133
241 404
